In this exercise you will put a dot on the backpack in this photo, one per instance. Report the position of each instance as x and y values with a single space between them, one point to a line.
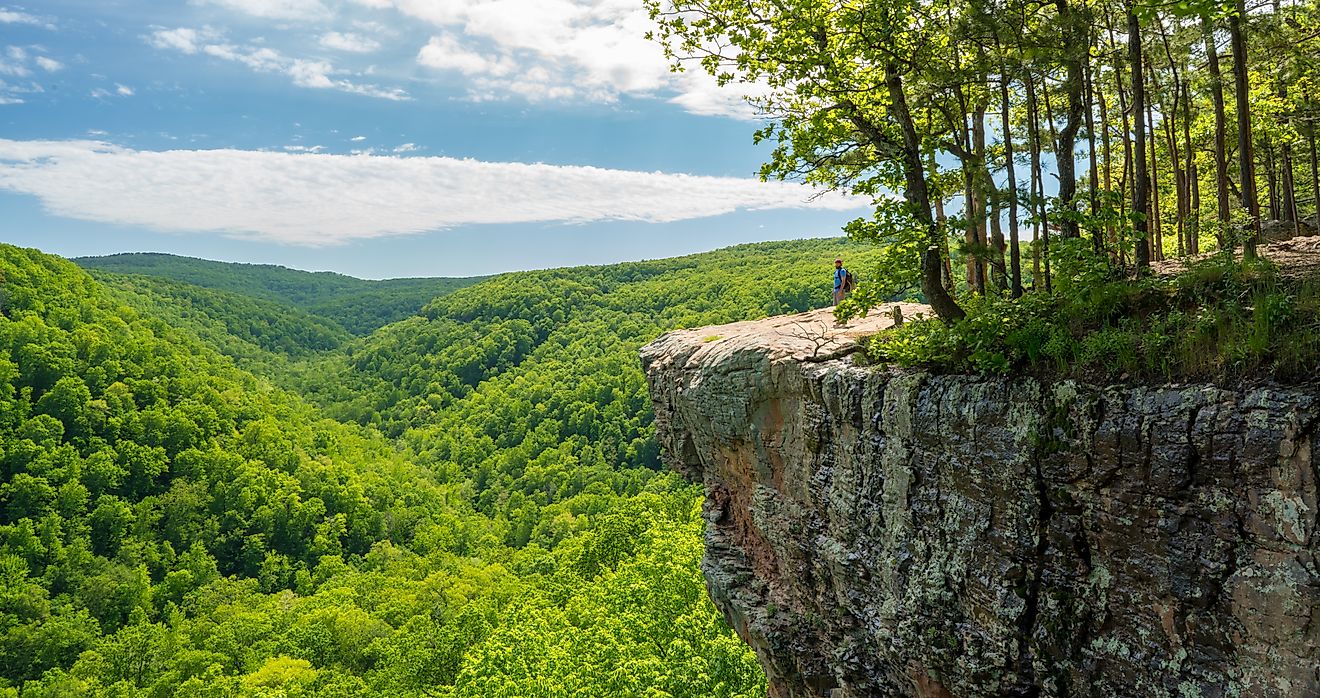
849 281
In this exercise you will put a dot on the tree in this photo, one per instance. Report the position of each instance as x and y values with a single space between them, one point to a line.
1246 155
836 94
1140 200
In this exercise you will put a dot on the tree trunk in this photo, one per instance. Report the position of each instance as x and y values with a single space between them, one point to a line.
1042 241
1076 46
1129 175
1180 183
1054 138
1141 192
1289 188
971 199
1315 176
1193 176
918 199
998 272
1156 223
1107 156
1288 207
942 221
1014 245
1097 232
1179 174
1246 156
984 187
1221 131
1272 179
971 207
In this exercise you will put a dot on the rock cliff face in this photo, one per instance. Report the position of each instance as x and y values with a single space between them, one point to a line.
881 533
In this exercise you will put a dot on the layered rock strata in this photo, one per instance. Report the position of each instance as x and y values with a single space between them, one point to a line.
883 533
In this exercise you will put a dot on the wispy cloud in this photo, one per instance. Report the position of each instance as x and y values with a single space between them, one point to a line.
575 50
11 16
184 39
592 51
322 199
448 53
304 72
20 63
274 9
350 42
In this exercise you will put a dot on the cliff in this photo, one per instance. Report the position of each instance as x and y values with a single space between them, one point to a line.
872 532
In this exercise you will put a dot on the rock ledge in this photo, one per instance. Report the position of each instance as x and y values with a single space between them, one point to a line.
882 533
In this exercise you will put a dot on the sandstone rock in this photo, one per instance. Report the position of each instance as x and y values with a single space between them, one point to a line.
873 532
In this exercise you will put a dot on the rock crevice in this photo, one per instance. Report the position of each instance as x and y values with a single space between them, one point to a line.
885 533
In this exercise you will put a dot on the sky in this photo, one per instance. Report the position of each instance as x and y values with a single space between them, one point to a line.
376 138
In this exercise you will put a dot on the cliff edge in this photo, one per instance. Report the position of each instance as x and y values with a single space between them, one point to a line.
873 532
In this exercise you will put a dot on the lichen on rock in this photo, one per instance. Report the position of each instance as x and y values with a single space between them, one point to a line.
873 532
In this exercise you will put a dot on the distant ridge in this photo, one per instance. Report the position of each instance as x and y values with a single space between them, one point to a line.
358 305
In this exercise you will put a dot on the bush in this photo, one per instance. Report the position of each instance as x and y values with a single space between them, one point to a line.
1219 319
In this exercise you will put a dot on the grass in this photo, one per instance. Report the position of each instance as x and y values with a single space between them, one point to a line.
1219 320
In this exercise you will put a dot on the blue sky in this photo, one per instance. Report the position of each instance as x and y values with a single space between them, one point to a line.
378 138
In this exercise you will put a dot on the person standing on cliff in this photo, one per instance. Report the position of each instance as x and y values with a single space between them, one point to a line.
843 281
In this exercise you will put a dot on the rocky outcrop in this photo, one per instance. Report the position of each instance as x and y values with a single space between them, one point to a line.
880 533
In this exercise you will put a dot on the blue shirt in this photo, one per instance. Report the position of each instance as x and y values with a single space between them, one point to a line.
839 275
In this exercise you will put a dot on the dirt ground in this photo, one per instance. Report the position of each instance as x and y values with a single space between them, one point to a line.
1296 256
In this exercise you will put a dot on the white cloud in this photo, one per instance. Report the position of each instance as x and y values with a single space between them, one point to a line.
106 93
263 59
8 16
14 94
537 50
407 148
21 63
358 139
700 94
181 39
16 70
350 42
322 199
446 53
375 28
275 9
582 50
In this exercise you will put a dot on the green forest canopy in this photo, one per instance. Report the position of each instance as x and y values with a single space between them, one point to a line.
1169 127
465 503
358 306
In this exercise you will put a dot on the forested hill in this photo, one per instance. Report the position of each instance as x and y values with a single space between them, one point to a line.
357 305
252 331
485 515
524 332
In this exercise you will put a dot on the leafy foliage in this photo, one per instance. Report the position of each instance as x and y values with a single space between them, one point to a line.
171 524
1220 319
239 326
356 305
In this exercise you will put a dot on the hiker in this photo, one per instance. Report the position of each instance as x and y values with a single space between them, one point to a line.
843 281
